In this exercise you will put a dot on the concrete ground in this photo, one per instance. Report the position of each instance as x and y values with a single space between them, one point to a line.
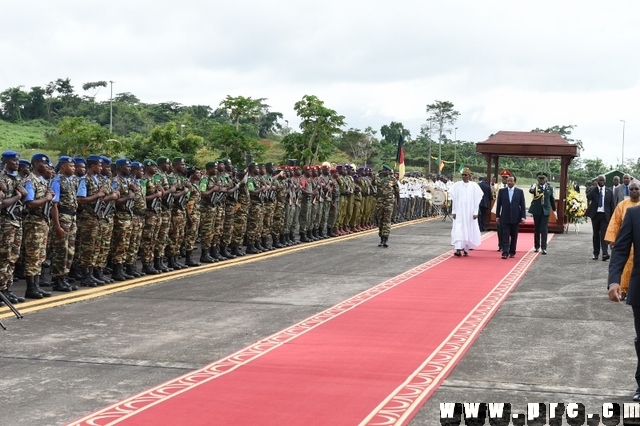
557 338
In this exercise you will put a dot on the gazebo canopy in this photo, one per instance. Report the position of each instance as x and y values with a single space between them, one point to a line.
527 144
530 144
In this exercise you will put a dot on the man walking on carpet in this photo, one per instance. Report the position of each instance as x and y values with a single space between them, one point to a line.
465 196
599 210
541 206
511 211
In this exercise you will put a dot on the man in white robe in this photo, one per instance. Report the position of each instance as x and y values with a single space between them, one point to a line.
466 197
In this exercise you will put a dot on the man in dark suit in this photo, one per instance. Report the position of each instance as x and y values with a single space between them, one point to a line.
485 203
541 206
629 235
599 210
621 192
511 211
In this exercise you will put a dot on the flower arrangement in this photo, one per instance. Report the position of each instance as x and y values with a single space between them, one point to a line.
575 207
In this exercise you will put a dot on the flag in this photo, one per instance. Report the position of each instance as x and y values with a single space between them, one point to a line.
400 157
461 168
441 166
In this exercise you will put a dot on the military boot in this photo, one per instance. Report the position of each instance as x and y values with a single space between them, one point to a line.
190 261
276 242
131 271
135 269
32 292
13 298
148 269
158 266
117 273
384 242
58 284
99 274
87 279
180 264
330 232
310 236
303 237
251 249
65 279
94 276
226 252
205 258
165 264
265 243
172 263
215 253
283 241
19 271
44 293
43 281
292 238
236 251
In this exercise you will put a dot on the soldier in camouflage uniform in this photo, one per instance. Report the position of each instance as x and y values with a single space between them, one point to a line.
11 222
63 223
223 186
256 216
326 186
36 224
178 215
334 205
153 191
106 221
208 210
164 168
123 221
227 178
268 207
388 194
295 199
137 219
280 191
306 205
317 202
241 213
192 216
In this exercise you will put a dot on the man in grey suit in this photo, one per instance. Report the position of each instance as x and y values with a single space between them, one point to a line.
621 192
511 211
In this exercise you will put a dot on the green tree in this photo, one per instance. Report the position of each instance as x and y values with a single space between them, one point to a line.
236 143
241 109
359 145
74 136
36 107
442 117
319 125
93 87
13 102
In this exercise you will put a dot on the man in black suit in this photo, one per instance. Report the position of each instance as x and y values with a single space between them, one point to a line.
485 203
629 235
599 210
511 211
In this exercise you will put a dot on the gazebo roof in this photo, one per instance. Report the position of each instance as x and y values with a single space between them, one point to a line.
527 144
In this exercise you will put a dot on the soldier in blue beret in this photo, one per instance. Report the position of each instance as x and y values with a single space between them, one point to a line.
123 162
10 155
136 165
24 168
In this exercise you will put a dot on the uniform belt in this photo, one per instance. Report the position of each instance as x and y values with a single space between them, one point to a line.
66 211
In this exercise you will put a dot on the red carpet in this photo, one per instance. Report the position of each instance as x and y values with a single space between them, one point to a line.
373 359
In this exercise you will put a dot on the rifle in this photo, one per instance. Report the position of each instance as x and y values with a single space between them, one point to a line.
182 201
155 203
109 209
15 210
7 302
129 205
97 210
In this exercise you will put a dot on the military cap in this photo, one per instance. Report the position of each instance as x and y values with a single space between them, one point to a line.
178 160
96 158
222 160
149 162
542 174
10 155
386 167
269 164
355 176
162 160
65 159
252 164
40 157
136 165
79 160
333 171
23 162
305 167
105 160
505 172
260 164
123 162
339 167
210 164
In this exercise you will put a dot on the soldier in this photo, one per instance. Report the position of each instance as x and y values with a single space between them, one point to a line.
178 214
192 216
11 222
106 220
225 171
75 272
296 200
334 206
388 191
220 195
153 191
137 219
266 174
63 223
164 168
208 211
256 216
241 213
123 221
36 224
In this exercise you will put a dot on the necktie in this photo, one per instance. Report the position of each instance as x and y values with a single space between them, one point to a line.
626 190
510 194
600 198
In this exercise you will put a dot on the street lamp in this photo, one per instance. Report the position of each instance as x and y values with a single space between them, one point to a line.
623 125
455 152
111 108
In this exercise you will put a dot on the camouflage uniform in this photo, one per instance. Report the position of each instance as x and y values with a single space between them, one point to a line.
193 212
162 239
229 210
178 216
137 220
208 212
11 224
240 216
152 219
268 208
36 227
123 222
334 208
63 249
279 209
106 223
89 225
387 193
256 212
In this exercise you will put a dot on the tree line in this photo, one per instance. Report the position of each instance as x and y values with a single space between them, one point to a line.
239 127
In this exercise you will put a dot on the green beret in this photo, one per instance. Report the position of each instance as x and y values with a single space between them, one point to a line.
252 164
385 167
223 160
268 164
210 164
177 160
149 162
260 164
162 160
542 174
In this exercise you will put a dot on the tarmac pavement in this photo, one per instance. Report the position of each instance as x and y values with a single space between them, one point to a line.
557 338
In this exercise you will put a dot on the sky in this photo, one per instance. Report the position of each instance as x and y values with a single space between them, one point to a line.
505 65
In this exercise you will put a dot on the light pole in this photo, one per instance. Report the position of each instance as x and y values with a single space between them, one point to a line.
455 152
623 125
111 108
181 129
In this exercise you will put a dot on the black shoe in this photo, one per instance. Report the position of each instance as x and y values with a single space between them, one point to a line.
148 269
605 257
636 396
595 257
536 250
131 271
512 256
457 253
505 255
466 253
543 251
59 285
381 242
384 242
